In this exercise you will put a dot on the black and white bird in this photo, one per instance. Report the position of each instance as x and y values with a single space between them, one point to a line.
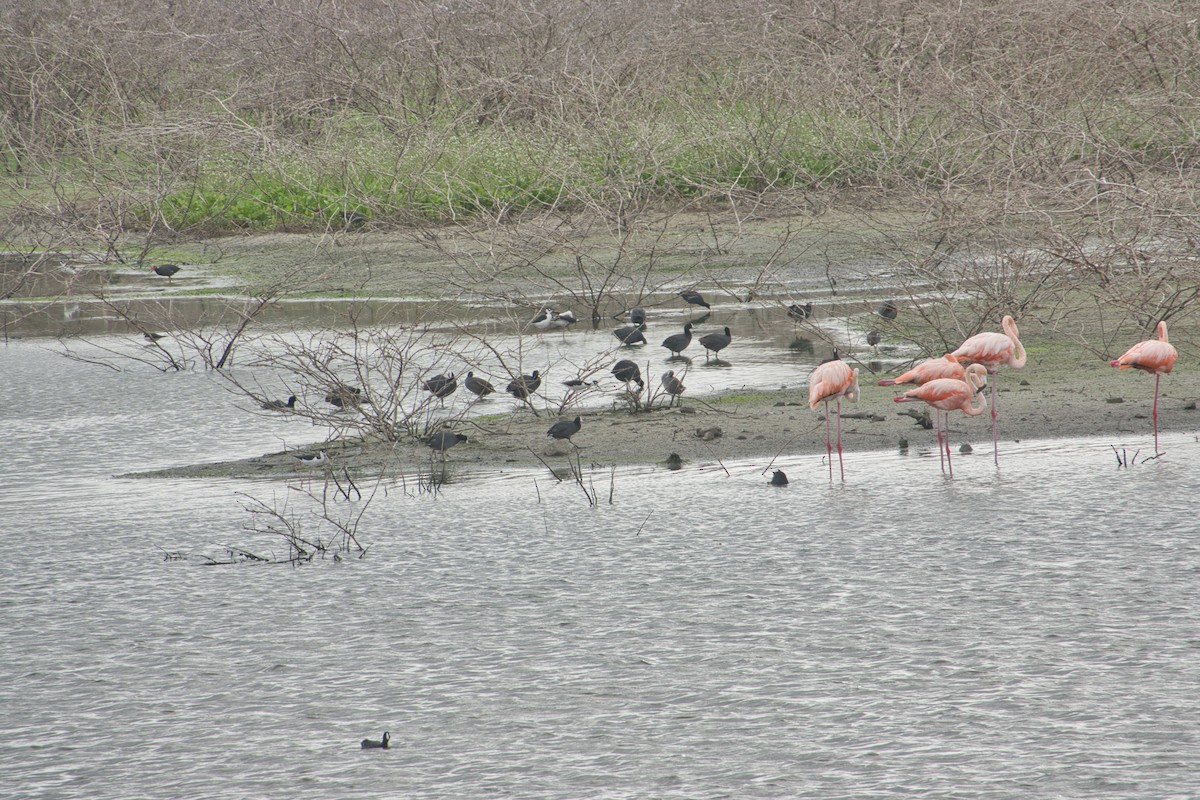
631 334
627 371
441 386
716 342
565 429
678 342
477 386
377 744
692 297
542 320
672 386
311 459
279 405
562 319
523 386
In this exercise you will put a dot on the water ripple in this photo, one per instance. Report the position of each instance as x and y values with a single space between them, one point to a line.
1023 633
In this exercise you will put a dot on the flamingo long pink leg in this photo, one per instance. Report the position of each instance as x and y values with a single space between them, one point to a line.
839 439
949 463
1154 412
828 442
995 435
937 426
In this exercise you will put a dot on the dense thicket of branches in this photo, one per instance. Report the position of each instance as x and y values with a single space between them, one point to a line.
1054 101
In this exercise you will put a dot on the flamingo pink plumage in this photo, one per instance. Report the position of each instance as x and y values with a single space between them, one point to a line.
928 370
833 380
950 394
993 350
1156 356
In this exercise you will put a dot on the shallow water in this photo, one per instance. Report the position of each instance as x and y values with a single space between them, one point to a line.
1028 632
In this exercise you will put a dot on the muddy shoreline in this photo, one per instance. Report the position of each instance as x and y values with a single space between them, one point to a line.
1042 401
1064 391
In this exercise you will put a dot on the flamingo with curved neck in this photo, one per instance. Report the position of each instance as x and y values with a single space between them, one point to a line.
833 380
993 350
1156 356
950 394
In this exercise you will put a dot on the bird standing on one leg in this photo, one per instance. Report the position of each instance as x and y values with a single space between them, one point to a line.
165 270
833 380
1156 356
993 350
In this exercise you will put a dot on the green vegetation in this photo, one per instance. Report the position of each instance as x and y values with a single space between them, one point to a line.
317 118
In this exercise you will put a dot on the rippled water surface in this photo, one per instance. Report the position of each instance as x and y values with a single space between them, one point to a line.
1033 632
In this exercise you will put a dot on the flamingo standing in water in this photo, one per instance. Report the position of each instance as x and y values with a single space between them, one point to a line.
946 395
928 370
1156 356
833 380
992 350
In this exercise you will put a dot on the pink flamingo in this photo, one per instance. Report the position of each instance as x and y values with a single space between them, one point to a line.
832 380
950 394
928 370
993 350
1156 356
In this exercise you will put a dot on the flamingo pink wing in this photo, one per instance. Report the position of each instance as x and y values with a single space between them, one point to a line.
989 349
827 380
1151 356
946 394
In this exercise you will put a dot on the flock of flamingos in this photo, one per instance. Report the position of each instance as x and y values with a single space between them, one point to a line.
955 382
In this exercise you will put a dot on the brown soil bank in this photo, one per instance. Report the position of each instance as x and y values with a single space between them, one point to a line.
1060 393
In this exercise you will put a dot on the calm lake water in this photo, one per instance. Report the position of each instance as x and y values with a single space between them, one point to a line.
1029 632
